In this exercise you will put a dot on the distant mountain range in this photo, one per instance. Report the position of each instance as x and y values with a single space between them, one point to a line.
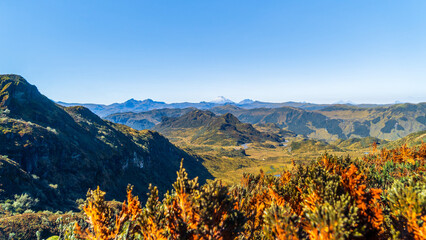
136 106
56 153
329 123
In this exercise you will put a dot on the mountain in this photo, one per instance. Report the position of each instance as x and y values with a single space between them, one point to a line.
70 149
148 119
137 106
204 127
246 101
390 122
221 100
339 121
299 121
130 105
330 123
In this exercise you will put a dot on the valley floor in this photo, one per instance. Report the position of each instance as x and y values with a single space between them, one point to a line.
229 163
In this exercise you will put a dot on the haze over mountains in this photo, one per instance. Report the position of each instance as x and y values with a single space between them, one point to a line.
319 121
329 123
133 105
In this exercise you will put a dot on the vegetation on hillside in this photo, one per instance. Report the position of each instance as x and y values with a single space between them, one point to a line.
411 140
204 127
380 196
384 122
56 153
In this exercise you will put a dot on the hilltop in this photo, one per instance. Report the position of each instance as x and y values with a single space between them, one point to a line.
204 127
71 149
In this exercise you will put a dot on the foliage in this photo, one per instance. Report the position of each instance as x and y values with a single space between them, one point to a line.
20 204
331 198
384 166
26 225
407 207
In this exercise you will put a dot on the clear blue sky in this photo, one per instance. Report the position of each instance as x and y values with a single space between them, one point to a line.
316 51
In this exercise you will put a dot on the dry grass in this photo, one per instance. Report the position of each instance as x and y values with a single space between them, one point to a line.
269 157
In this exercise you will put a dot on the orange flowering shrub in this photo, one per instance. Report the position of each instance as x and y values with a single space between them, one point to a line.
381 196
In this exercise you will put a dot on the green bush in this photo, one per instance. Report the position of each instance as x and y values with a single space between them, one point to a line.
20 204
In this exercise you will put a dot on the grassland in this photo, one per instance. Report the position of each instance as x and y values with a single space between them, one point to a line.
230 162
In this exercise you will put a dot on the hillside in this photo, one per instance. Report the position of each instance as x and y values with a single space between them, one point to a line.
299 121
411 140
339 121
330 123
391 123
71 149
148 119
204 127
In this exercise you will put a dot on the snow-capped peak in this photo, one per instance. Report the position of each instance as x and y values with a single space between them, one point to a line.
221 100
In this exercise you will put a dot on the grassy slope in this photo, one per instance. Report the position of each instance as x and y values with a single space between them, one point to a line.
411 140
389 123
230 162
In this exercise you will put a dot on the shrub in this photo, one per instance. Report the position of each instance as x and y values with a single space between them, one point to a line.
330 198
20 204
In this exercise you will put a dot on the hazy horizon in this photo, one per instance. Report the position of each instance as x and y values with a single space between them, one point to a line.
273 51
238 101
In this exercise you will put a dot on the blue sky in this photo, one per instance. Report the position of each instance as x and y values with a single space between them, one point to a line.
315 51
